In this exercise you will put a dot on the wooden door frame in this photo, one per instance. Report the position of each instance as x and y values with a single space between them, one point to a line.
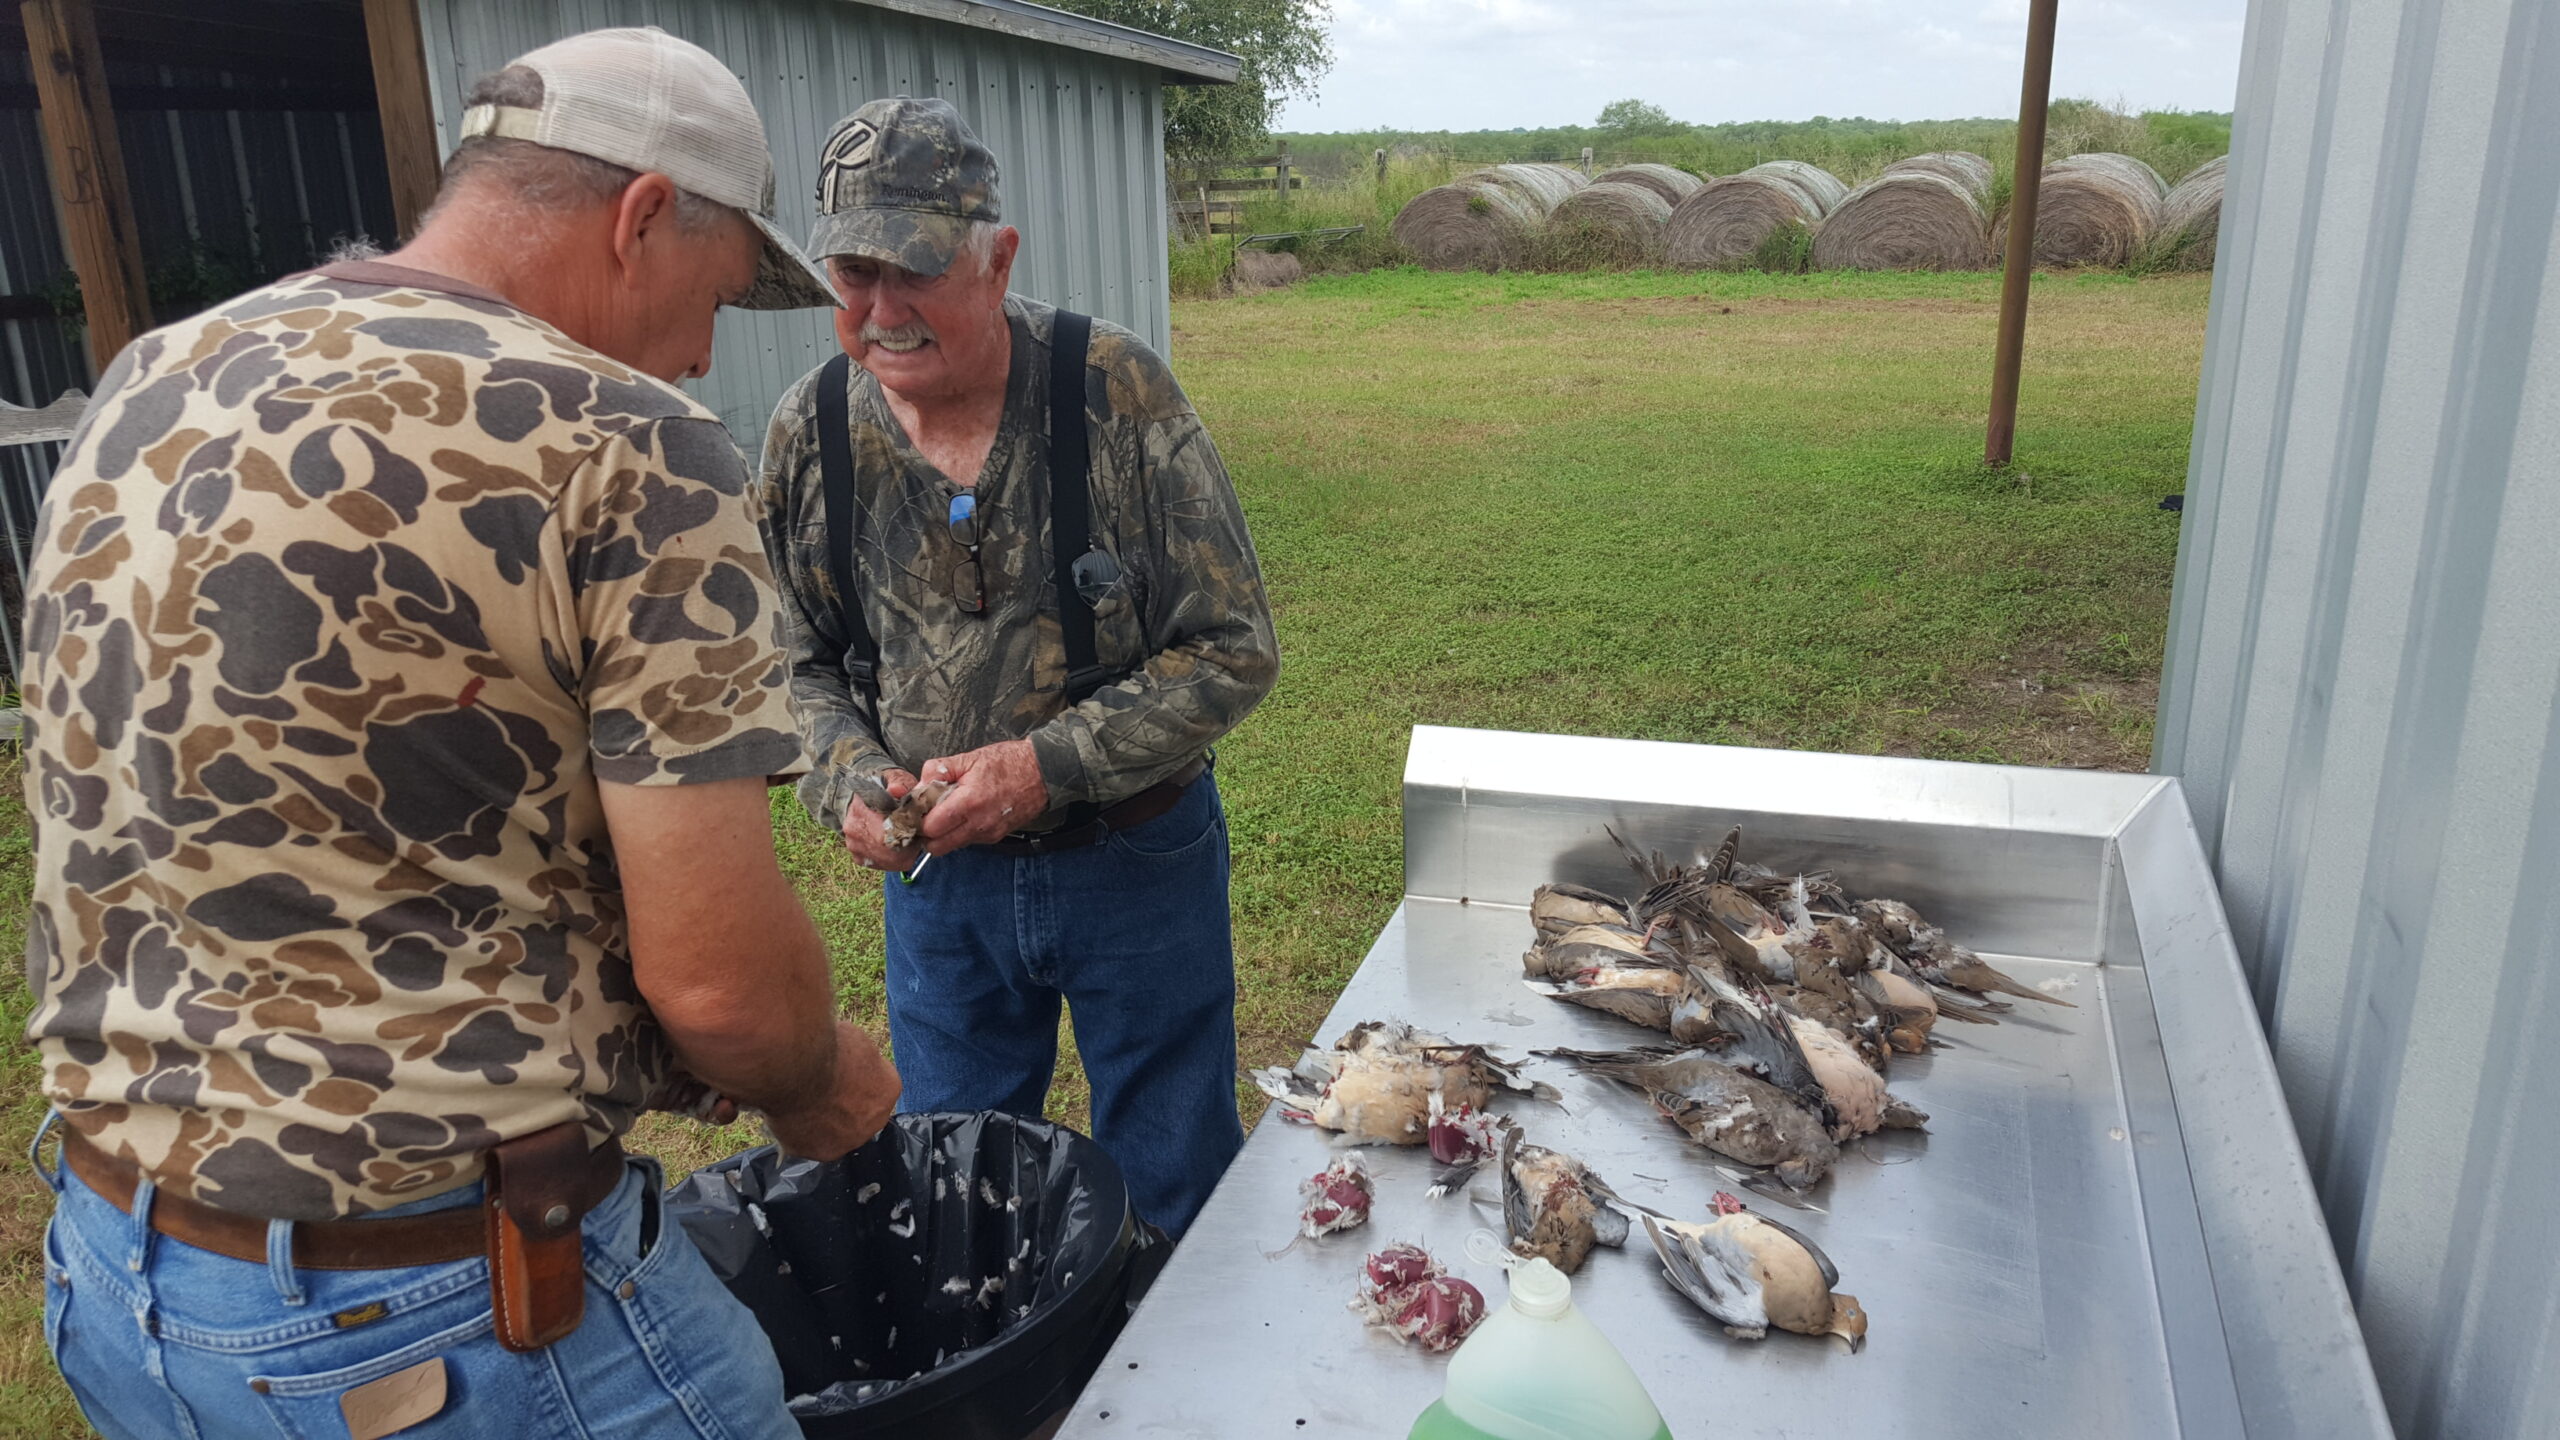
86 160
410 153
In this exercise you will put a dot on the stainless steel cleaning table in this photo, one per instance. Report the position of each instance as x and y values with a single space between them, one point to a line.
2107 1230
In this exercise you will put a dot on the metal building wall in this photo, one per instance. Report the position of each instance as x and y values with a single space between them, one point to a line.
2363 689
1079 137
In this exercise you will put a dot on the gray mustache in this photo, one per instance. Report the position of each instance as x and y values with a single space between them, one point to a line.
913 330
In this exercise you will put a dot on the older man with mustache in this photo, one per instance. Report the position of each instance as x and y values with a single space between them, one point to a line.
1055 622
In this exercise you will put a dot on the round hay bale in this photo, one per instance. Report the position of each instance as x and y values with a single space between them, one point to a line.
1965 168
1668 181
1905 220
2095 209
2134 173
1265 269
1546 186
1819 183
2191 217
1469 224
1609 223
1727 222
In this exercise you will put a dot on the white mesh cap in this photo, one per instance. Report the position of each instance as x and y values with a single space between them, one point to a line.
645 100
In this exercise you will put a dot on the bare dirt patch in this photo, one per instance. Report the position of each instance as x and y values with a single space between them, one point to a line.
2041 706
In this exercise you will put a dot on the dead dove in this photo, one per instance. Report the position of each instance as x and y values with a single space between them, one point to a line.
1639 991
1852 1017
1720 1107
1750 1272
1904 1005
1860 1105
904 825
1556 908
1935 958
1554 1207
1376 1085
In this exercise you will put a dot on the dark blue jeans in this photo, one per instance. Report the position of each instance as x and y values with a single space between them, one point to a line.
1133 934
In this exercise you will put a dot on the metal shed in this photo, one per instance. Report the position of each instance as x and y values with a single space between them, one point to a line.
2363 686
1071 106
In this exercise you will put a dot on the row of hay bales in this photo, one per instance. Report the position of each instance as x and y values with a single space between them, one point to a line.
1927 212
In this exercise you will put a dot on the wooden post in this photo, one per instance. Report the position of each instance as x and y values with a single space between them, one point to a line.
1381 158
1283 186
408 111
1586 160
2000 437
88 173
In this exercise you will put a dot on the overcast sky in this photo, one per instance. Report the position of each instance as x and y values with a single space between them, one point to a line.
1495 64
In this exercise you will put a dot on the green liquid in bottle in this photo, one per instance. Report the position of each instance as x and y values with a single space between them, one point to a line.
1437 1423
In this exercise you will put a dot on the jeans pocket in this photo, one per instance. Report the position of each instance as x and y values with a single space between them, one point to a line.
488 1390
1195 820
57 1290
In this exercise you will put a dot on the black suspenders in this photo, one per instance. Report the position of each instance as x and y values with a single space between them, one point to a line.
1070 508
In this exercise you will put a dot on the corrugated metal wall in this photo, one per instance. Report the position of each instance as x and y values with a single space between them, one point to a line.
2363 691
1079 137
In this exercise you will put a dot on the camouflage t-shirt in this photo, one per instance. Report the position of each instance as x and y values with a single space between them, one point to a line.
1187 623
346 596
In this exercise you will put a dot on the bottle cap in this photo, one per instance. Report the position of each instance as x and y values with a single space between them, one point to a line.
1541 1290
1538 1289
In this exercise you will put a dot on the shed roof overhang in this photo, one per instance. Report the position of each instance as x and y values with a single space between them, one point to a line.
1180 62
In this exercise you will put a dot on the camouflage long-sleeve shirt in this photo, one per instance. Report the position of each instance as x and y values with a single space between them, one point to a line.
1187 623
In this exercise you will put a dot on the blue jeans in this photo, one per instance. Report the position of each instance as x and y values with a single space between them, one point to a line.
1132 932
160 1339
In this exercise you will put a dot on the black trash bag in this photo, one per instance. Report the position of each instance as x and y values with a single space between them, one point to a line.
960 1276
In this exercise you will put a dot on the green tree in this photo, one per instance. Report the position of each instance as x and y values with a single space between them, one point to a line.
1630 116
1282 44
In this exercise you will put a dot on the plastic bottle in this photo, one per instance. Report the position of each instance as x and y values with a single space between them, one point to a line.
1538 1369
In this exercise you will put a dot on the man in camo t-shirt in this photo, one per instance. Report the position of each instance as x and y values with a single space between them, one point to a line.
402 691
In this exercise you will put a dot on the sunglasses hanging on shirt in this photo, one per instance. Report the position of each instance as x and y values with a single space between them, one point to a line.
968 578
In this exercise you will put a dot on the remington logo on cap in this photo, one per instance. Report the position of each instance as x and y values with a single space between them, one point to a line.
852 148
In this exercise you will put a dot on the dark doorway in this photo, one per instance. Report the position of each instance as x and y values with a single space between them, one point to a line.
252 146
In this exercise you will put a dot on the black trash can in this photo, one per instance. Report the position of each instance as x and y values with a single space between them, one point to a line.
959 1277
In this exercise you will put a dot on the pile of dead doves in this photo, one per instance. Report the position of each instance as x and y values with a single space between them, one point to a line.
1784 1001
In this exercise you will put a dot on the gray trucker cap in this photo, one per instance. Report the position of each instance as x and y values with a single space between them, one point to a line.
645 100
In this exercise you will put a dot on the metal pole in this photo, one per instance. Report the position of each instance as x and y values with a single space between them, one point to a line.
2001 436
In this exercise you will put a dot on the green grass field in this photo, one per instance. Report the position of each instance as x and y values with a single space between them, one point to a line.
1738 509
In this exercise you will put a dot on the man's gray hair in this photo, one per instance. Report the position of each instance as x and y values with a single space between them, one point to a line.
543 178
980 243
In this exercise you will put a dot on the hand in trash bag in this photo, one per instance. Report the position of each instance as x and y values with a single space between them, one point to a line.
862 1095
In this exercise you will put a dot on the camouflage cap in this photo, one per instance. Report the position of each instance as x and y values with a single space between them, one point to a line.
902 181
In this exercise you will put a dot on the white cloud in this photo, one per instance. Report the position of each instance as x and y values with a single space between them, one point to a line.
1494 64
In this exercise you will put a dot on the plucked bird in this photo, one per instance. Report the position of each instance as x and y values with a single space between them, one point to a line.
1376 1085
1554 1207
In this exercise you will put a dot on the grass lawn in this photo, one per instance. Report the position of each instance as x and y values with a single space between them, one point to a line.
1741 509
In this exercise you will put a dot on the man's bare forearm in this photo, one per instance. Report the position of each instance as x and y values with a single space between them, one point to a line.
720 946
761 1030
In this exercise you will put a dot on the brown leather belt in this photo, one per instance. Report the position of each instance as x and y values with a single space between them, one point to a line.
382 1243
1127 814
